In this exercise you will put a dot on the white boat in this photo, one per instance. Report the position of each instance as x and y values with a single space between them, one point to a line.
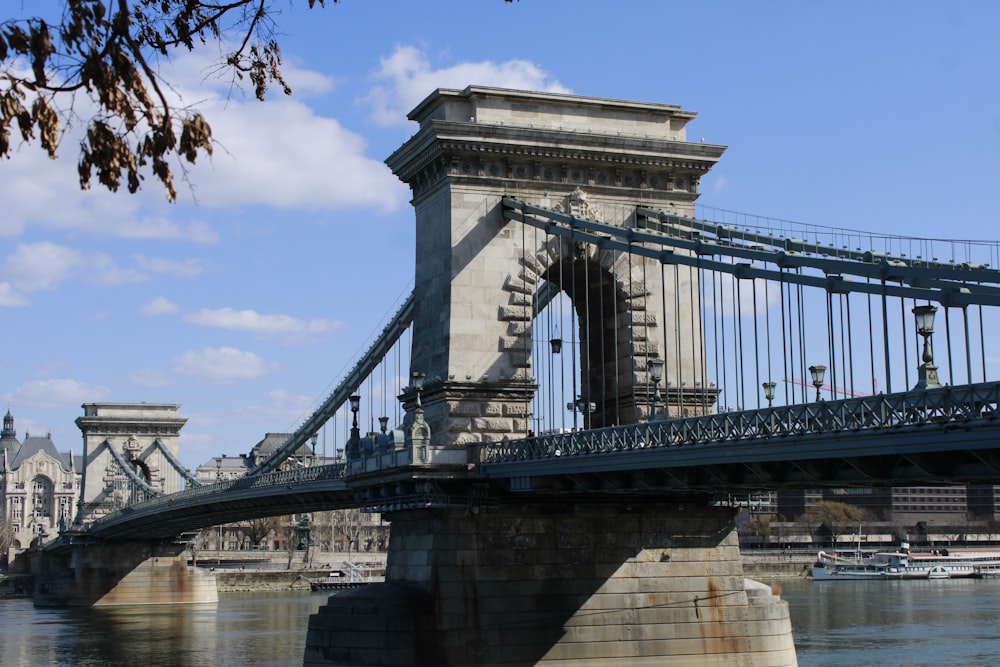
901 564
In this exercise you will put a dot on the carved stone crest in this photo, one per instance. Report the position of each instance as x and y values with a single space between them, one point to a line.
576 204
132 447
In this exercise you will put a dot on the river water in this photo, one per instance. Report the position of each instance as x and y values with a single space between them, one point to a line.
883 624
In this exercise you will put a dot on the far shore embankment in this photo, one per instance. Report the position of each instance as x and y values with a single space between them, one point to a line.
765 565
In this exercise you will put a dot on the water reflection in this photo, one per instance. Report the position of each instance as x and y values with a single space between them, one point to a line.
243 629
867 624
916 623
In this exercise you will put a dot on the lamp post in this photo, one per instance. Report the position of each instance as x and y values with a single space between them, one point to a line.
817 372
383 423
927 376
418 432
655 368
418 384
769 391
355 406
354 444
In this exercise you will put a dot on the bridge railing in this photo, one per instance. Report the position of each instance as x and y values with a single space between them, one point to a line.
280 478
937 406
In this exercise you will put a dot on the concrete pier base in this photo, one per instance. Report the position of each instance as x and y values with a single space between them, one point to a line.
126 573
562 584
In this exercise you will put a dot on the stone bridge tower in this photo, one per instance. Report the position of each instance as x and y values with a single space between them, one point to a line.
141 436
482 574
476 273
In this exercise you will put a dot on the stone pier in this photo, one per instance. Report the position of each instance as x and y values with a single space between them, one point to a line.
122 573
559 584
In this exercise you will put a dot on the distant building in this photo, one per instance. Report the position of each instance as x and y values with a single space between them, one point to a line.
902 504
336 530
9 444
39 486
225 467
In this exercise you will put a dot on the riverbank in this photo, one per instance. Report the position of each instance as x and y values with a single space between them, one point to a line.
266 581
767 565
764 566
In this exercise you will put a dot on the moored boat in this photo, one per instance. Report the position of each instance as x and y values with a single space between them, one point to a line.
902 564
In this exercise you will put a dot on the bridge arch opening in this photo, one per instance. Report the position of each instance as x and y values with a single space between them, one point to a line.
603 310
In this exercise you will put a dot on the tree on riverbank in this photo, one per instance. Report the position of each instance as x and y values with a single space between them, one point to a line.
838 518
256 531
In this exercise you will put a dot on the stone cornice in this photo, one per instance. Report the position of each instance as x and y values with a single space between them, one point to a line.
445 141
113 426
474 94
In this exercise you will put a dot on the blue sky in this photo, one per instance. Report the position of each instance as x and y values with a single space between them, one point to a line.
249 298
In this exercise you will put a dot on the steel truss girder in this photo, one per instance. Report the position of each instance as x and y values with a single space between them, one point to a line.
946 434
271 494
957 286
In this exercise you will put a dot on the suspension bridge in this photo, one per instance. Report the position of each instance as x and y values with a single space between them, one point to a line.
588 365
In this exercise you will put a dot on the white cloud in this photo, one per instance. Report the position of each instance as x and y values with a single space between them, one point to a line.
283 154
103 270
56 393
189 268
44 265
220 363
38 192
160 306
279 153
37 266
10 296
283 326
156 227
410 77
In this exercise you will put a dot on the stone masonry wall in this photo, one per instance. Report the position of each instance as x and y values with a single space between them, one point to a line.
626 585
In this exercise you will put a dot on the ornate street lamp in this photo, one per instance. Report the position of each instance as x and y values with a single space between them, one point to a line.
383 423
817 372
418 383
556 344
927 376
769 391
655 368
354 443
355 401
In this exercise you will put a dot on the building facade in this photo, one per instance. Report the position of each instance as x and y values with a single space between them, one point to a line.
901 504
39 486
